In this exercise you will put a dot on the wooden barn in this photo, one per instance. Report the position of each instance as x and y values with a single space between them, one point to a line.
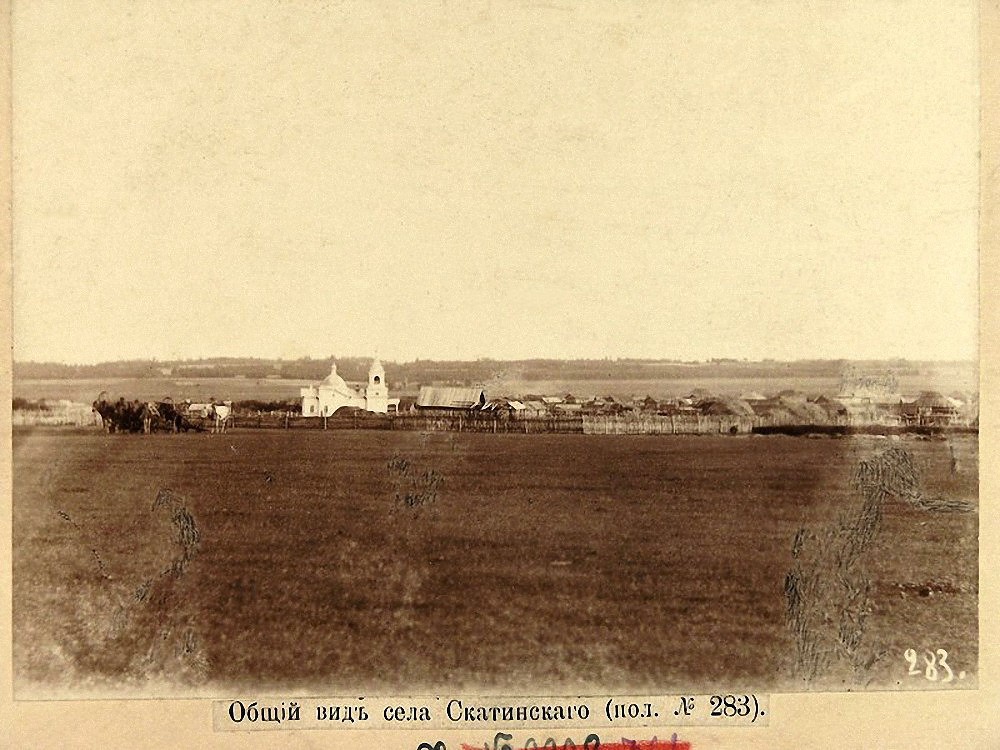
931 409
450 398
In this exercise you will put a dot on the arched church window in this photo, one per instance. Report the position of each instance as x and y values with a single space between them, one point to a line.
376 380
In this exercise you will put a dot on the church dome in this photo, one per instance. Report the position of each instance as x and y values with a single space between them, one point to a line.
334 380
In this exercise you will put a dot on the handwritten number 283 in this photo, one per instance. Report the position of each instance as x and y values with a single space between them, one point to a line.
932 660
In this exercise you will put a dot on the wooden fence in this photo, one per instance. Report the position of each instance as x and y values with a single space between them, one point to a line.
667 425
634 424
488 423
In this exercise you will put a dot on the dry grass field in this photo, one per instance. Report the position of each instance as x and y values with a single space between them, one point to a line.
392 562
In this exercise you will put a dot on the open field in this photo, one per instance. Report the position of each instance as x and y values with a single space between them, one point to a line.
661 388
344 562
155 389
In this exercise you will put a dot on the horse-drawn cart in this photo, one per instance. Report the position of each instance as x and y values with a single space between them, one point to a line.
136 416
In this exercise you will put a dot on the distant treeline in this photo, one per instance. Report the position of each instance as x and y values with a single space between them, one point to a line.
457 372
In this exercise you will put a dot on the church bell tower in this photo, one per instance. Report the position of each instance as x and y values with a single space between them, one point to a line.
377 393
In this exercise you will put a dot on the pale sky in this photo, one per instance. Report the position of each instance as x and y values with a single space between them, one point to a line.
459 180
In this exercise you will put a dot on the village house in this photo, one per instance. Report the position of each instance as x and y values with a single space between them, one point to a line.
836 412
647 404
604 405
568 407
930 409
535 408
503 407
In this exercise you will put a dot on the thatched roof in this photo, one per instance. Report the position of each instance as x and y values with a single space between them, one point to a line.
933 400
725 407
806 411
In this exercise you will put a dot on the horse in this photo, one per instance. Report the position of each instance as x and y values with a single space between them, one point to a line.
170 418
120 415
150 417
106 411
220 414
133 415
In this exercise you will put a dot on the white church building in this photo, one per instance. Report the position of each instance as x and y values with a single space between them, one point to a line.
335 393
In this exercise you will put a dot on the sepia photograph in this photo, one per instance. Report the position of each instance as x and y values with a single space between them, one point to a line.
504 348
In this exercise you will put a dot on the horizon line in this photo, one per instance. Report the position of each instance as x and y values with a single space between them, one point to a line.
664 360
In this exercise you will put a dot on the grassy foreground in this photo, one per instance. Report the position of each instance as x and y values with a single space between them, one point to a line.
403 562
